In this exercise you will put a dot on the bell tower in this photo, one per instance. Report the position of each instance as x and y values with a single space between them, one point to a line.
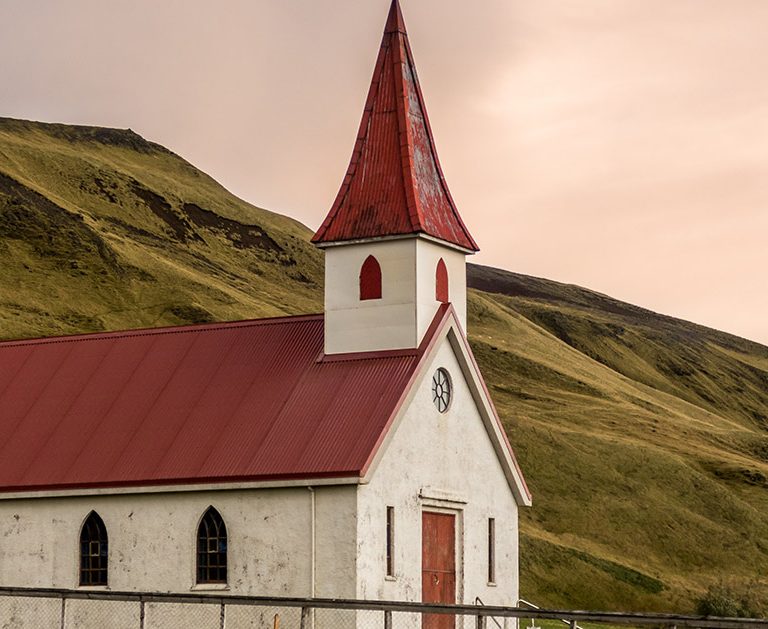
395 245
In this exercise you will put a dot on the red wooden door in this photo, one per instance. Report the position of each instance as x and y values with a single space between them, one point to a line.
438 566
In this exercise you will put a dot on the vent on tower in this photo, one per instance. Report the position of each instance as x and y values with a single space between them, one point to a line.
441 282
370 279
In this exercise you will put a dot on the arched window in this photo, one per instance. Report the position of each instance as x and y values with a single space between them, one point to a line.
441 282
370 279
94 551
212 548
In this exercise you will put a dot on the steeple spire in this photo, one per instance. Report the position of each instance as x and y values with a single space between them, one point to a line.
395 21
394 185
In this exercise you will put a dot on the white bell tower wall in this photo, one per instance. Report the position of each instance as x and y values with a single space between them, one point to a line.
429 254
408 303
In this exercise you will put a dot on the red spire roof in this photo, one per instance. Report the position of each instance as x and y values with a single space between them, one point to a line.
394 184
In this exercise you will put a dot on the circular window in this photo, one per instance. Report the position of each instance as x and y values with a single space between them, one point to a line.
441 390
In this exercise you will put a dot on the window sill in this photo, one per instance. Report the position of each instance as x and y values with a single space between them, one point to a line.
492 584
93 588
390 578
210 587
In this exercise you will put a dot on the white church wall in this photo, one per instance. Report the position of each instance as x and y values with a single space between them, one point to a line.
336 542
152 540
408 303
439 462
352 325
428 253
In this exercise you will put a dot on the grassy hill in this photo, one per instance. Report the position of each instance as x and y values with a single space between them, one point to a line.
644 438
101 229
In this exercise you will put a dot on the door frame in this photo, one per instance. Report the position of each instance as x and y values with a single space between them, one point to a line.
439 506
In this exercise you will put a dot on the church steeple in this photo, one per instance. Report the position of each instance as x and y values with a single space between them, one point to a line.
395 245
394 185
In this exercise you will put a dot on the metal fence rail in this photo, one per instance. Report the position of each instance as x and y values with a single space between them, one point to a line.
24 608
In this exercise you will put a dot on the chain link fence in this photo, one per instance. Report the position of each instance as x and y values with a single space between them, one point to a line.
83 609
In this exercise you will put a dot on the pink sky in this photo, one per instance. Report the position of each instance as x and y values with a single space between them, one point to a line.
621 145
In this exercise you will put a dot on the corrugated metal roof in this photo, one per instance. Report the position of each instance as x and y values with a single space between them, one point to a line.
394 184
238 401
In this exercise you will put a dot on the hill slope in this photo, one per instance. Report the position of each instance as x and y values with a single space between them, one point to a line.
101 229
643 437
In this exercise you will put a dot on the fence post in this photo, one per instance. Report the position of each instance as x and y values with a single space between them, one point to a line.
387 619
305 617
481 621
222 616
63 612
142 614
573 623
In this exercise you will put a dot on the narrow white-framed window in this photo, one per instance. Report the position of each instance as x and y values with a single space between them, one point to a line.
491 550
391 542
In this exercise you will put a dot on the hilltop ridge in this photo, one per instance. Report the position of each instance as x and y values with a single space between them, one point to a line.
644 438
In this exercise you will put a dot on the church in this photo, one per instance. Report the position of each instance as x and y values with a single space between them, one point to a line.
350 454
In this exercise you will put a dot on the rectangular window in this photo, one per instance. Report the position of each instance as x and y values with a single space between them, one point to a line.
390 541
491 550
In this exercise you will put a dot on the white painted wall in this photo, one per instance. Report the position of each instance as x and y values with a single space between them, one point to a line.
152 540
439 462
407 306
352 325
428 254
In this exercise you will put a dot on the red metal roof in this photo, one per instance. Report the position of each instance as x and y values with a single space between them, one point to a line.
394 184
251 400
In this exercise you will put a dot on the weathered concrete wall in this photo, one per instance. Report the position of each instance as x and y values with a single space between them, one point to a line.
152 540
407 305
439 462
336 543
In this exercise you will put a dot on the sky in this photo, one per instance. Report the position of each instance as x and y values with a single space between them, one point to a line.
621 145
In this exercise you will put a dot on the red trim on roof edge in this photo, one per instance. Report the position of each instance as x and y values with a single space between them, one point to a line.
503 432
176 482
381 353
445 312
427 343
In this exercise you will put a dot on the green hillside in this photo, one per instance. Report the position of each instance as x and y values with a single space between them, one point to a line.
643 438
101 229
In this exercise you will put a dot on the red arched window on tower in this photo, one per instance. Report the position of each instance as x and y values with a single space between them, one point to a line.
370 279
441 282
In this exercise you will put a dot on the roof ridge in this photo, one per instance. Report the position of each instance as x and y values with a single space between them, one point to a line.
433 148
399 42
177 329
